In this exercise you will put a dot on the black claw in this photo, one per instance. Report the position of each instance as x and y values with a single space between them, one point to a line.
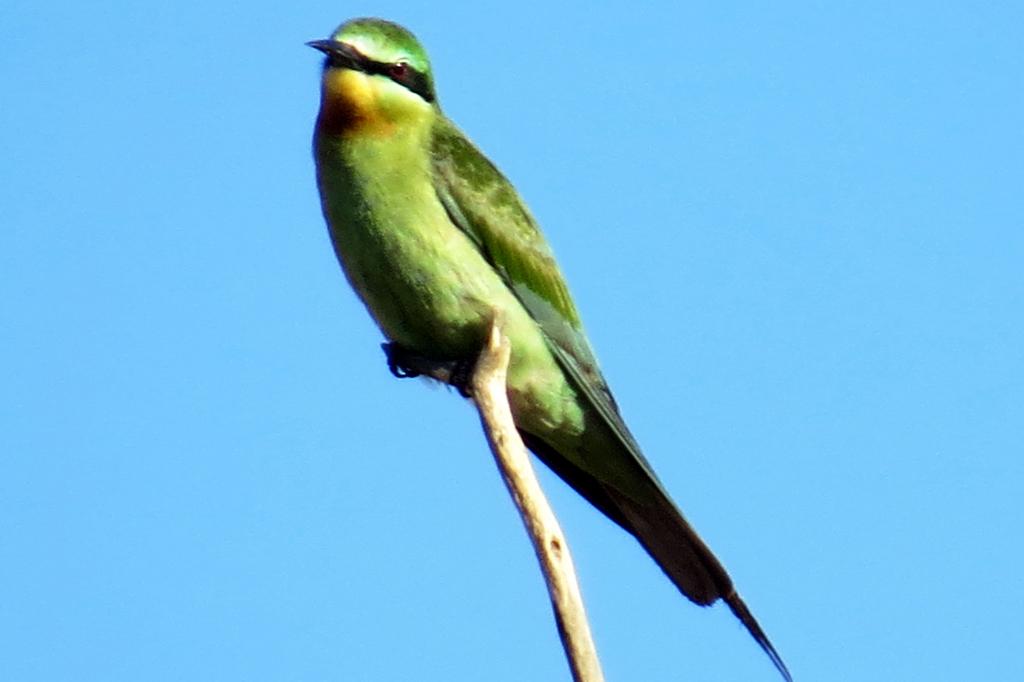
404 363
401 362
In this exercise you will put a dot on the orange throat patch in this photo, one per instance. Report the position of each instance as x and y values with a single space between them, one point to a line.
349 105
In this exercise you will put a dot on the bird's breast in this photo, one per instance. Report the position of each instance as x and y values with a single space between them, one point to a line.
349 105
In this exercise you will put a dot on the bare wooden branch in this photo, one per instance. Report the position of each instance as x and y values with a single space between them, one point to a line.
489 392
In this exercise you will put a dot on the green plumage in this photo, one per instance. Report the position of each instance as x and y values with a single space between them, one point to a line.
433 238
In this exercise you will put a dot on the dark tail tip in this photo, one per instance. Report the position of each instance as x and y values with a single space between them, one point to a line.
754 628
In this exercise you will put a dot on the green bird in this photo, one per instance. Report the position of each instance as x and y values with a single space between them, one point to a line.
434 239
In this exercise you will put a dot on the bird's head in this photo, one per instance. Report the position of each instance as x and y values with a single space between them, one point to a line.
376 78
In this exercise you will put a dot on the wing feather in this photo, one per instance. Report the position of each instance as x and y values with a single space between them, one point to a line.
484 205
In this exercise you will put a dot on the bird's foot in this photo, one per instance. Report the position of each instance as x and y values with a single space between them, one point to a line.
462 376
405 363
402 362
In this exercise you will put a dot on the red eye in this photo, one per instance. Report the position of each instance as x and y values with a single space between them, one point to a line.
399 70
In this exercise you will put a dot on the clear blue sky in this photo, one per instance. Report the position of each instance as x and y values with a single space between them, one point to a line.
796 235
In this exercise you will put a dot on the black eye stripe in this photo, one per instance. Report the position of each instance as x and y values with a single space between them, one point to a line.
408 77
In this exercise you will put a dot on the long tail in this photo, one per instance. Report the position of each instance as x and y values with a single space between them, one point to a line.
668 538
688 562
738 607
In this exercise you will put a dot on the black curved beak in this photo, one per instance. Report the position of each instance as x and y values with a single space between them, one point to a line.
340 54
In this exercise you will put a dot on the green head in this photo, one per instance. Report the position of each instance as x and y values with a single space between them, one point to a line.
375 72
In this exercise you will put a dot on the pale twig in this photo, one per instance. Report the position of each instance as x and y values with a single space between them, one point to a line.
489 392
